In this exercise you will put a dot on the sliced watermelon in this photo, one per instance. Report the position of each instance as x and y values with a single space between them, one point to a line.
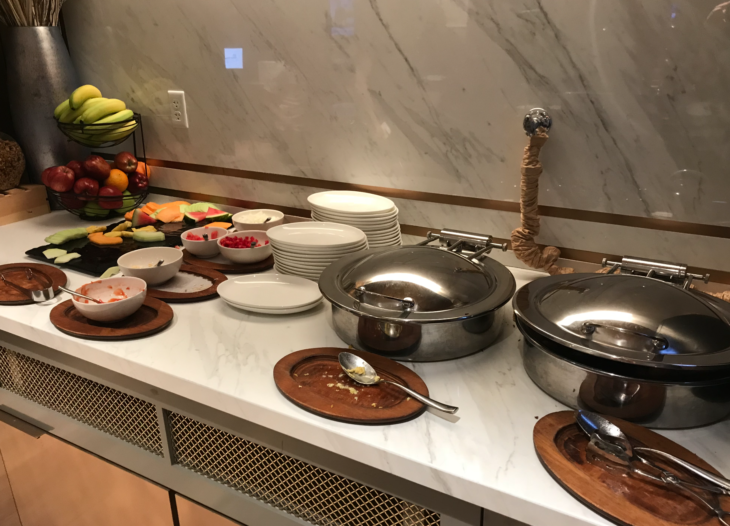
193 217
217 215
140 219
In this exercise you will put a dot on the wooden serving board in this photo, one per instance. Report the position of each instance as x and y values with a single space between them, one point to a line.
229 267
313 380
174 291
16 272
622 498
154 316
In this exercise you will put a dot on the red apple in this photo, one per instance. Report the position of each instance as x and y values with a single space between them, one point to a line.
77 169
126 162
110 204
59 178
96 167
86 186
137 183
45 174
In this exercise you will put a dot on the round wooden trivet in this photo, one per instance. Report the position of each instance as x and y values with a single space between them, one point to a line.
609 490
233 268
309 380
152 317
16 272
189 297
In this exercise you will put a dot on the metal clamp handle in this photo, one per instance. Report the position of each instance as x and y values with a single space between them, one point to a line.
536 118
659 343
408 304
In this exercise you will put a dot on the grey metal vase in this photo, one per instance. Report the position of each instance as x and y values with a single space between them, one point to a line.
40 75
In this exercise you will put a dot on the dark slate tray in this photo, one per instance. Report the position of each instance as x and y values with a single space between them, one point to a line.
95 260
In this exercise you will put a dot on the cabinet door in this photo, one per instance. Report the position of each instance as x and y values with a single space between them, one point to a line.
56 484
191 514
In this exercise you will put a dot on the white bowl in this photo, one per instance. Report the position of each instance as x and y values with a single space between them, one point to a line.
141 264
134 289
247 255
240 220
203 249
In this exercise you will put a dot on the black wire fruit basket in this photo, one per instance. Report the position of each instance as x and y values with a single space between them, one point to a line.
97 207
100 135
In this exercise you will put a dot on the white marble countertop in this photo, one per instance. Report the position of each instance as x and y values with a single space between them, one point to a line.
223 357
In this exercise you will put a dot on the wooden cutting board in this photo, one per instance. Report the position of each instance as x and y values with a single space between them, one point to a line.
154 316
313 380
621 498
176 290
218 264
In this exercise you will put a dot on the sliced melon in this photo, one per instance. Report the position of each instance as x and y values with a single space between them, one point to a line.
111 271
199 207
217 215
170 215
148 237
53 253
140 219
218 225
66 258
59 238
193 217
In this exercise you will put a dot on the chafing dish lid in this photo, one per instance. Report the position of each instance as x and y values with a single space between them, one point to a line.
633 319
417 283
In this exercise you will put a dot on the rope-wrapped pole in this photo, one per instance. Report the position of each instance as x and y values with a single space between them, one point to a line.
523 238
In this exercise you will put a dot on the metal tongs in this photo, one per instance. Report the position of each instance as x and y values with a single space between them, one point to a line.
38 296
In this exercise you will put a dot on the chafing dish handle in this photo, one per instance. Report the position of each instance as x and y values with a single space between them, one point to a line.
660 343
407 303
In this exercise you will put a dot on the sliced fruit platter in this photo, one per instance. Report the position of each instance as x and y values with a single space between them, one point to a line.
95 249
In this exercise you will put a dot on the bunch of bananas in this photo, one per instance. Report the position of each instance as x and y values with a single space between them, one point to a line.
93 120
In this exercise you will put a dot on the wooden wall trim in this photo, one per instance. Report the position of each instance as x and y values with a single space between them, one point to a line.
718 276
649 223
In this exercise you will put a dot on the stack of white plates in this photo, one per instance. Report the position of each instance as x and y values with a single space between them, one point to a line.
270 293
306 249
375 215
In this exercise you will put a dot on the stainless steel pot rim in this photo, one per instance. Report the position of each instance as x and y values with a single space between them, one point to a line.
530 300
636 378
502 290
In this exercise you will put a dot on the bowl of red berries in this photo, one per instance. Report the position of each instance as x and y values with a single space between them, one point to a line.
203 242
250 246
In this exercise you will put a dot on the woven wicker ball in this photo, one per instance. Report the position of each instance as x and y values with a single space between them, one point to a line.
12 164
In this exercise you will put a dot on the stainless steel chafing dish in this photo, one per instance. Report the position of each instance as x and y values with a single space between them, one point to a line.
641 345
422 302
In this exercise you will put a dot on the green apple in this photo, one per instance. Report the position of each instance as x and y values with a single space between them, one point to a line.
128 202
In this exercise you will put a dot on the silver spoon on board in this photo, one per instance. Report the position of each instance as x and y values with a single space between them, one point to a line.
77 294
363 373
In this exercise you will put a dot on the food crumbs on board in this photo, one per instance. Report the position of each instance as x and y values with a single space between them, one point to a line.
379 407
374 405
330 385
351 389
408 398
306 374
295 374
356 398
331 406
299 386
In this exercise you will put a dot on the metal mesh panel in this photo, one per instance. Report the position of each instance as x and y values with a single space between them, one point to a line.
303 490
106 409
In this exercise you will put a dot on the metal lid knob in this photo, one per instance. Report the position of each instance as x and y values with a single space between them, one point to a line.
536 118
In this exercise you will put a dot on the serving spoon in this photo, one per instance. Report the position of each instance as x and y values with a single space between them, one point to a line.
78 294
364 373
592 423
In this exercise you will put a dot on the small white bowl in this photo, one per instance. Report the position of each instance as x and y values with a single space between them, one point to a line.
134 289
203 249
241 223
247 255
141 264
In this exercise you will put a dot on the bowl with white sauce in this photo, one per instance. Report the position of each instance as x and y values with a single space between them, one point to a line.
257 219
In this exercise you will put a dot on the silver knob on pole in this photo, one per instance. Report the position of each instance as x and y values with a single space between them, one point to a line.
536 118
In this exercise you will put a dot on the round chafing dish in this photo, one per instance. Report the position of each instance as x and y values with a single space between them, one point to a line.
643 349
417 303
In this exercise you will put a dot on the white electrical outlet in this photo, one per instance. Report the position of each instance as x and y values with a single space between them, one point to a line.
178 109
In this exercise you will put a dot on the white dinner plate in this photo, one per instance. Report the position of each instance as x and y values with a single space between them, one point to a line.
316 235
313 277
269 291
359 218
351 202
278 312
379 227
293 261
305 269
319 251
328 256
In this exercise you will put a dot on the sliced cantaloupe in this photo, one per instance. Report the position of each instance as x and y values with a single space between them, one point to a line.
99 238
170 214
219 224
